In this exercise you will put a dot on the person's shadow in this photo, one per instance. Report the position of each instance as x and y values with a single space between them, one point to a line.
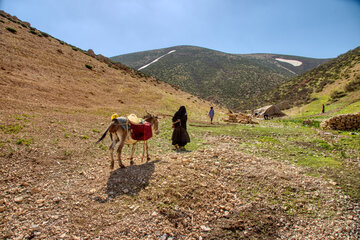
129 180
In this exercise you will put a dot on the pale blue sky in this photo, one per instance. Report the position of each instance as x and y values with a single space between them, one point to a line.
310 28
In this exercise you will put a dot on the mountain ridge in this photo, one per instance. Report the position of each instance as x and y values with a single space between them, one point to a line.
233 79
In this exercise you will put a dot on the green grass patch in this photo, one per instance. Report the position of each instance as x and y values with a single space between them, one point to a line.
319 162
11 129
84 137
23 141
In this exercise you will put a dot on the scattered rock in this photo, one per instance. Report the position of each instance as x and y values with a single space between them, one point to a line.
205 228
18 199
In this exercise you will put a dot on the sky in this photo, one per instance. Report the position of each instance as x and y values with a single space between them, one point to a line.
309 28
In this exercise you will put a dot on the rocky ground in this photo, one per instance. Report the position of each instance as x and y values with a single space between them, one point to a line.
215 192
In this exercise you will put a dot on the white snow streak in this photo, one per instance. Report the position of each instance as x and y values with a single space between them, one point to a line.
157 59
292 62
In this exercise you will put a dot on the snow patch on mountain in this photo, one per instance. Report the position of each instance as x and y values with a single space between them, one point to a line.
157 59
292 62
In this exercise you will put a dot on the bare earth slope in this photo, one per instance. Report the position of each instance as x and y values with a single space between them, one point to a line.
56 184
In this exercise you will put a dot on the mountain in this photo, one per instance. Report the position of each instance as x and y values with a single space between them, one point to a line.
336 84
229 79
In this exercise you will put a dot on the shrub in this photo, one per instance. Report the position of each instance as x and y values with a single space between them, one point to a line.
88 66
337 94
353 85
75 48
44 34
32 31
11 30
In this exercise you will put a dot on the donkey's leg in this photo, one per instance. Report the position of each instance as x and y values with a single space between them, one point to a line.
147 151
122 136
132 153
111 148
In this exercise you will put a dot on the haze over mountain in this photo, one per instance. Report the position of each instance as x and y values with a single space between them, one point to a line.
229 79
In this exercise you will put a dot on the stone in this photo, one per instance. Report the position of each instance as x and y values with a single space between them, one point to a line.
18 199
205 228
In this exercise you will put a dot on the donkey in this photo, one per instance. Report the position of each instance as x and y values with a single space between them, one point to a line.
120 133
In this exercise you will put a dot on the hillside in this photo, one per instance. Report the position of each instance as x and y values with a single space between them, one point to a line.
277 179
45 72
229 79
336 84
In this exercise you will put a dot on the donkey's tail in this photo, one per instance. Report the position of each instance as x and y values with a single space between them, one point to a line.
104 134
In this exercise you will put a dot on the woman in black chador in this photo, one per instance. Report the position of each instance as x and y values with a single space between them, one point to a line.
180 136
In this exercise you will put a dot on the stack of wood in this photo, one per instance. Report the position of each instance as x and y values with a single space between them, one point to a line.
343 122
232 117
240 118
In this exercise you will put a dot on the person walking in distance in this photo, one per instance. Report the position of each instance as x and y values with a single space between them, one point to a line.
211 114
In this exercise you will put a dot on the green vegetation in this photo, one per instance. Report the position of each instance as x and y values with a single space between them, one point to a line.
336 95
23 141
33 32
353 85
11 30
44 34
11 128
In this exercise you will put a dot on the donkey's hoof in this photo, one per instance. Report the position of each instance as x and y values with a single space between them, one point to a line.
122 166
131 162
148 159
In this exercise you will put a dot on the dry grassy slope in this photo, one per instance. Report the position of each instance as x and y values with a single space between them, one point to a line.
39 71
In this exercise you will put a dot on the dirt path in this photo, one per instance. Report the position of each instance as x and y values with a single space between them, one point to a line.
213 193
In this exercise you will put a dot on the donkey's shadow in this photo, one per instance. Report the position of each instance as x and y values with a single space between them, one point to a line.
129 180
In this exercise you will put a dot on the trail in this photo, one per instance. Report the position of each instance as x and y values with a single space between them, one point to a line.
157 59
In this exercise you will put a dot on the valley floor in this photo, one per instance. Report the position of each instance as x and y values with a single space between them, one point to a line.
56 184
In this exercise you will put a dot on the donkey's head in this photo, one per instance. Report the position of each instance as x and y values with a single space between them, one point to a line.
153 120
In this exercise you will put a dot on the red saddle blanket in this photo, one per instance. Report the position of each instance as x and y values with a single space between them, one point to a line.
141 131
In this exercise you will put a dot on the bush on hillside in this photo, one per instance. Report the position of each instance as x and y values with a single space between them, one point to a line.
44 34
336 95
353 85
11 30
88 66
